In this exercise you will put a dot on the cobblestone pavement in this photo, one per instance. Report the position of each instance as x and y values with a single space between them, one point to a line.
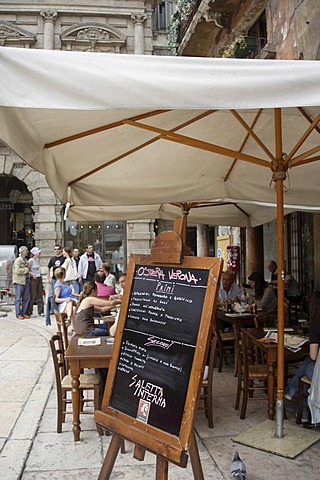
30 448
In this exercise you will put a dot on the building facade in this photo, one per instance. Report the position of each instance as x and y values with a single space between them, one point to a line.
30 213
272 29
265 29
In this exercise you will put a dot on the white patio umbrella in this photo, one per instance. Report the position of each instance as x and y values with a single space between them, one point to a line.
227 212
120 130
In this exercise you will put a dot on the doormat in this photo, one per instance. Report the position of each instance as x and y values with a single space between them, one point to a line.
295 439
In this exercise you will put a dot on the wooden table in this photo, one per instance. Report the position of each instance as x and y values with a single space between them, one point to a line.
80 357
270 351
241 320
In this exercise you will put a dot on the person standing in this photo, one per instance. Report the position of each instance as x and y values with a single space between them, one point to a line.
89 264
36 285
55 262
75 283
21 280
70 266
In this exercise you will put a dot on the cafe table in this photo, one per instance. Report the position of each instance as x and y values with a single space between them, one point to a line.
240 320
270 352
79 357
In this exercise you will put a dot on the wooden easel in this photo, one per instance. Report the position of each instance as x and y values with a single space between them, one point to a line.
178 442
162 465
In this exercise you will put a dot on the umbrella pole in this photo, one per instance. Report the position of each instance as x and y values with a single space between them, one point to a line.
280 353
279 176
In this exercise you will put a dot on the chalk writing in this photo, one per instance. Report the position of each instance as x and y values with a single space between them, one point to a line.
165 287
151 272
148 391
182 276
157 342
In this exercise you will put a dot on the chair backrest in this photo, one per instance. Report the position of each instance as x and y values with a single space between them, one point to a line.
62 327
213 345
216 330
57 351
243 354
268 319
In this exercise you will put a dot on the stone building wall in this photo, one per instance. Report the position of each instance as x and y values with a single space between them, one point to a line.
293 28
123 27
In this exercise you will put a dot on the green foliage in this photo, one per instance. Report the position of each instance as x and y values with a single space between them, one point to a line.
184 7
238 43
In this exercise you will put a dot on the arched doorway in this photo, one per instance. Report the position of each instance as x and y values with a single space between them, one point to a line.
16 214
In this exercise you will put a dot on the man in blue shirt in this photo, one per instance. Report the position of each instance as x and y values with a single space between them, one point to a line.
229 291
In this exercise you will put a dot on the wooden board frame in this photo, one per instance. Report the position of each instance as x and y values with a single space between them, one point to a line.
173 448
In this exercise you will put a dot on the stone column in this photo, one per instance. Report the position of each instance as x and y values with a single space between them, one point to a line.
48 223
254 248
49 17
202 241
138 31
140 235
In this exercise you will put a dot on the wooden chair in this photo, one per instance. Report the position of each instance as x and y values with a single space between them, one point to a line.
207 383
268 319
303 387
225 347
88 381
248 375
62 327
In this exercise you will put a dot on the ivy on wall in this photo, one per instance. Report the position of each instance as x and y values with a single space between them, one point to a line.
180 16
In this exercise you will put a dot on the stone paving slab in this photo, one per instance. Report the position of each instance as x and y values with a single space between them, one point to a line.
53 456
9 414
13 457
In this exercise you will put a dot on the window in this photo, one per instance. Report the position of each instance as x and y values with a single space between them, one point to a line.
163 14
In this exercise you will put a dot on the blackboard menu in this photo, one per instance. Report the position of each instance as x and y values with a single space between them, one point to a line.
158 344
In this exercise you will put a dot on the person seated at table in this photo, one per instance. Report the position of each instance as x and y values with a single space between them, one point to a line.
292 290
104 291
273 269
122 282
110 279
307 366
87 306
63 296
229 291
264 295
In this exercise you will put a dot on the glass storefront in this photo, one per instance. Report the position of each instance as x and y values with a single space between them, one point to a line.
108 239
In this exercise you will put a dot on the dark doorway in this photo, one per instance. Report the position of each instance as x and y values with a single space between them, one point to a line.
15 212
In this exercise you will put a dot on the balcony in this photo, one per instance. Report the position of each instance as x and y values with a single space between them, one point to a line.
208 27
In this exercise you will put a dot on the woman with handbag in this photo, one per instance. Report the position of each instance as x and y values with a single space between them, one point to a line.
70 267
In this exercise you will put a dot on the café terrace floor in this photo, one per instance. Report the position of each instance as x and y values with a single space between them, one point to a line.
30 448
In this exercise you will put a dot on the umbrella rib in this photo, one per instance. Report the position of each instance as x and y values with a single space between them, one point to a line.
302 160
110 162
242 145
302 139
308 117
102 128
133 150
193 142
249 130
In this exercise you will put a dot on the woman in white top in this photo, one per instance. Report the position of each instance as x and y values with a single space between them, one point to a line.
70 266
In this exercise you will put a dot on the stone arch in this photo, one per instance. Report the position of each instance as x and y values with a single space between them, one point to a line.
41 203
93 37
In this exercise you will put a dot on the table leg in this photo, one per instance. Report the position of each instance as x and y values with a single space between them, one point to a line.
271 383
75 383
